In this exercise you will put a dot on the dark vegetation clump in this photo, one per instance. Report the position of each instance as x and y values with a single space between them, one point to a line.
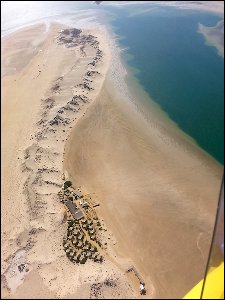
67 184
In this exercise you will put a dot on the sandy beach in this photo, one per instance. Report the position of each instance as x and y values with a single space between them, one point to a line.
66 110
48 84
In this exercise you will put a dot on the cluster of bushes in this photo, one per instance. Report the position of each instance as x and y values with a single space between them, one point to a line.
70 223
90 250
83 261
98 259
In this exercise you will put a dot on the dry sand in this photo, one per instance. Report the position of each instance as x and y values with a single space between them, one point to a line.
44 94
158 190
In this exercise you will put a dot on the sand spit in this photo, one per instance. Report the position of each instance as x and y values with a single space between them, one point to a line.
41 103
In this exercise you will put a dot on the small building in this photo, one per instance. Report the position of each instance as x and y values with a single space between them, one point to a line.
67 193
85 204
142 289
75 212
77 195
79 244
80 237
89 254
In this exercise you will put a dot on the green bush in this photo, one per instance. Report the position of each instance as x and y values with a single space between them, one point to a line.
70 222
83 261
67 184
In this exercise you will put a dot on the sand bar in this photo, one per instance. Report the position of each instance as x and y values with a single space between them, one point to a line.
44 95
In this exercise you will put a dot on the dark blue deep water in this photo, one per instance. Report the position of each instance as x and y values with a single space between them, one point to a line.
178 70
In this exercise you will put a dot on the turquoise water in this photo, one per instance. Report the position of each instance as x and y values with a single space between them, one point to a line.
178 70
175 67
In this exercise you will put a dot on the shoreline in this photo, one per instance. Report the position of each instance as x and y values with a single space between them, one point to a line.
44 158
37 174
127 76
123 157
123 78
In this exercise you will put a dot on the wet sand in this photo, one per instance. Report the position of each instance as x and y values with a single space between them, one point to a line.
158 190
214 36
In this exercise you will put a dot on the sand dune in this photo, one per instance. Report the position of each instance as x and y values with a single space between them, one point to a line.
42 100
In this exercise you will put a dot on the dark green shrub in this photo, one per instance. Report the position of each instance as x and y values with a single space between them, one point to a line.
67 184
83 261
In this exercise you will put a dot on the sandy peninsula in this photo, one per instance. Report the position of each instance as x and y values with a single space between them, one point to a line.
49 79
67 114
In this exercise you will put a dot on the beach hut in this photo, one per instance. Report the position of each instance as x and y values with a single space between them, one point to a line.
142 289
92 249
85 204
77 194
80 237
89 254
